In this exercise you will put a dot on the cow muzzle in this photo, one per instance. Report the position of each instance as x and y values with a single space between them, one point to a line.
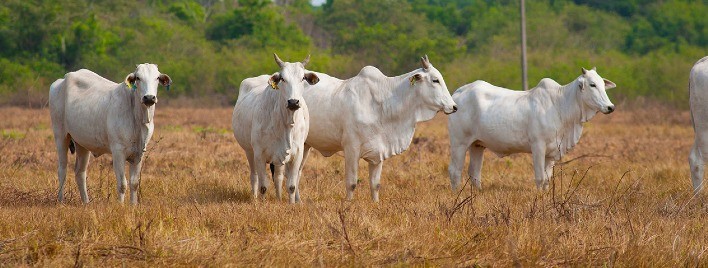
149 100
293 104
608 109
454 109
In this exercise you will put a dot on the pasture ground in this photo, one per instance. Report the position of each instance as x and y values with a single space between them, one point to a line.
624 198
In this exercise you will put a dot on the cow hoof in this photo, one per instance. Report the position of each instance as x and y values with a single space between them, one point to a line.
477 184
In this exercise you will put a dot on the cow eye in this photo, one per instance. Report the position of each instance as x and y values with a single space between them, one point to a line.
436 81
137 78
592 84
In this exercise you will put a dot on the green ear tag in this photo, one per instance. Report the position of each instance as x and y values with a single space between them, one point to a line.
133 86
168 87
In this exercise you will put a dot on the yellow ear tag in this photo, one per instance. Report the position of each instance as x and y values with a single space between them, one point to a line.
412 80
273 84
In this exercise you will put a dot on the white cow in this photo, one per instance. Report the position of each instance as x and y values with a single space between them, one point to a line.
372 116
93 115
698 97
270 122
545 121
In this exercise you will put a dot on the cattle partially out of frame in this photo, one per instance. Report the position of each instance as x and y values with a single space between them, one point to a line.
698 99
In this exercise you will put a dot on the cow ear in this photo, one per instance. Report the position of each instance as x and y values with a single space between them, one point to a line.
416 78
130 81
165 80
311 78
609 84
274 80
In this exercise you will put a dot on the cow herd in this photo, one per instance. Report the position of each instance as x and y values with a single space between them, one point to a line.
279 118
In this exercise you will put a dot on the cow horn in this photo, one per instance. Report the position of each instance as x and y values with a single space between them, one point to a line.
278 60
594 68
306 60
585 71
425 62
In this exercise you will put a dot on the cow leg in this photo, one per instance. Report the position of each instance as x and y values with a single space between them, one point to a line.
253 175
62 143
475 169
305 154
260 185
548 172
696 162
293 169
351 168
539 165
278 180
375 179
297 192
457 163
82 161
119 169
135 180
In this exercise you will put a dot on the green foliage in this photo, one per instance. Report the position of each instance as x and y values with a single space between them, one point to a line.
670 25
623 8
85 38
257 23
208 47
387 32
188 11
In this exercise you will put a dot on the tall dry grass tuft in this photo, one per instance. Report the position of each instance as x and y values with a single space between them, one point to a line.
622 197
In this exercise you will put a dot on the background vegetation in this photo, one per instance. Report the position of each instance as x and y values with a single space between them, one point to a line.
209 46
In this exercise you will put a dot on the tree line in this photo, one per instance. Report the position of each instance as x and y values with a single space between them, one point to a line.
209 46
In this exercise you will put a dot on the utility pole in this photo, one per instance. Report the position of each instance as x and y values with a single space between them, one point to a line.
524 72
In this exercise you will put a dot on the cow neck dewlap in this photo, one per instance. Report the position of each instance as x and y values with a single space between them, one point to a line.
280 122
143 120
400 113
570 110
142 113
400 100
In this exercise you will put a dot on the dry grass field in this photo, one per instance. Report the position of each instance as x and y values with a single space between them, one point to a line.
623 198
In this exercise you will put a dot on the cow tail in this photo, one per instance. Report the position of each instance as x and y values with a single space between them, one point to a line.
272 171
72 147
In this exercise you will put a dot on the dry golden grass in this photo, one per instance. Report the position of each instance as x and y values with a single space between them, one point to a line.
628 203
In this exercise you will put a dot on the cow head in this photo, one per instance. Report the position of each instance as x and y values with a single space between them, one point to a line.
290 81
144 82
592 91
430 87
